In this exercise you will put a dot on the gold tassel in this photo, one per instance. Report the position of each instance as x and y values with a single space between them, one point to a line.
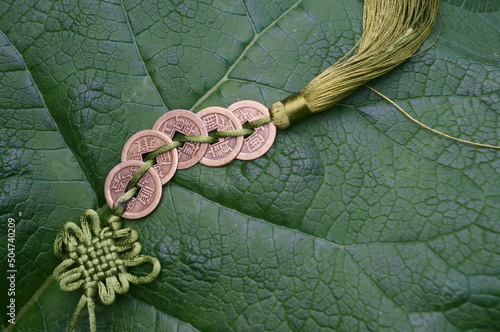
393 30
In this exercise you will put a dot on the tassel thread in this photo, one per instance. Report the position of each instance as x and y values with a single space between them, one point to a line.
393 30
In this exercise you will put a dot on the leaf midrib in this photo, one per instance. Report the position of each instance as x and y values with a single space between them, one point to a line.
250 45
137 49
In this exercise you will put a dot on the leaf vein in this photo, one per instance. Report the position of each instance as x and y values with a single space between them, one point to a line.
134 41
243 54
49 113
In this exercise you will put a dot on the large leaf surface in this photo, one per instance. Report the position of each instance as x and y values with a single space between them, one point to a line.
357 219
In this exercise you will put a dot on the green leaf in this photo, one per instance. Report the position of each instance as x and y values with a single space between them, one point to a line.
356 219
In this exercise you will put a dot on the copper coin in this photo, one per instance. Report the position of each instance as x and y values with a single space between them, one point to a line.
148 197
149 140
226 149
263 137
187 123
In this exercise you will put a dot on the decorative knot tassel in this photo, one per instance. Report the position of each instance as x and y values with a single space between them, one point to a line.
393 30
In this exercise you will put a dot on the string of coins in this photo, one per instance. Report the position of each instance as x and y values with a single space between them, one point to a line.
95 258
213 137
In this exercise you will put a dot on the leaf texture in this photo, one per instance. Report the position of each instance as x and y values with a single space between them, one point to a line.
355 220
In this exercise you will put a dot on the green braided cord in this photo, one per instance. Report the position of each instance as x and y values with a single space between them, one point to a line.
72 229
58 243
115 225
132 189
139 260
140 172
135 249
59 270
246 131
90 289
196 139
113 286
231 133
113 221
76 314
95 223
127 236
106 294
70 281
257 123
108 219
162 149
121 284
121 203
91 310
